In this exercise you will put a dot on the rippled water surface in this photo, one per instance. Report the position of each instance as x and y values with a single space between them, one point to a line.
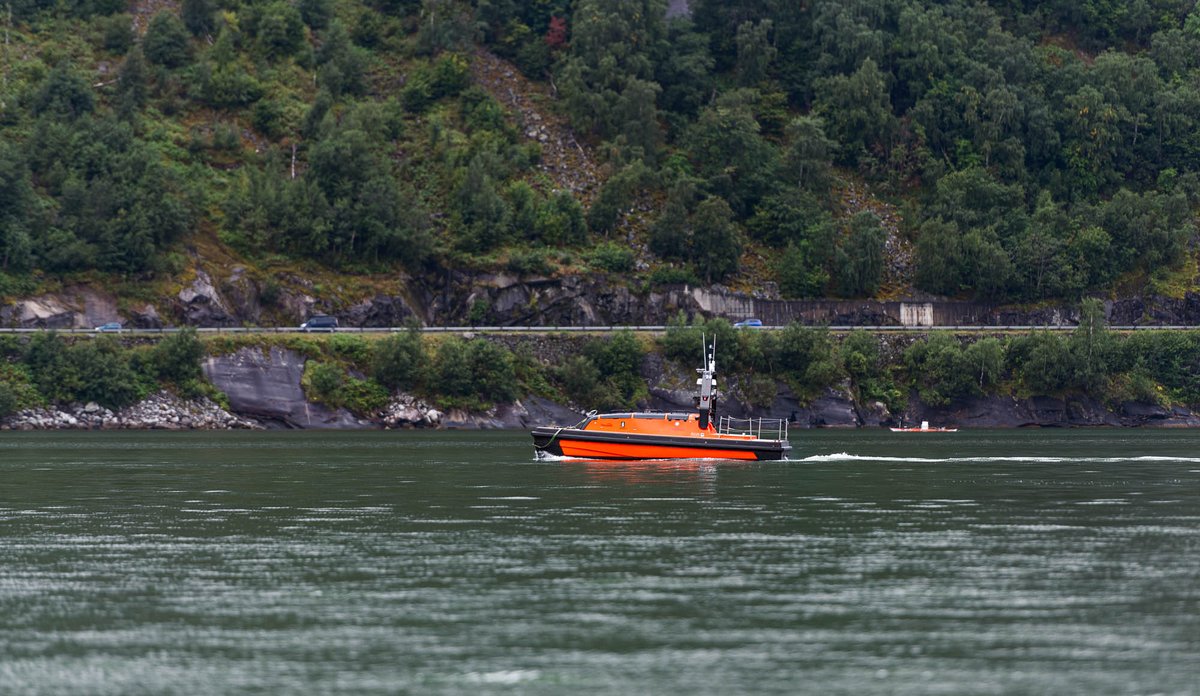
981 562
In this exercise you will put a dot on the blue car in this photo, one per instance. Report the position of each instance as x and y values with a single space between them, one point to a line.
748 324
110 327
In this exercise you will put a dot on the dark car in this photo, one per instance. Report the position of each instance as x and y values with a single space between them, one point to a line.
110 327
321 322
748 324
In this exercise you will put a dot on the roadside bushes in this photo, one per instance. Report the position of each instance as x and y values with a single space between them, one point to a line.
806 356
177 357
8 399
474 370
397 361
328 383
98 370
941 368
607 375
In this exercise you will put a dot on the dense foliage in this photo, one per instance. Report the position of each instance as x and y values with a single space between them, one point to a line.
608 372
1037 150
1148 366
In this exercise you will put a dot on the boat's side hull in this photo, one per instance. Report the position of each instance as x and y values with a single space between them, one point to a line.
571 442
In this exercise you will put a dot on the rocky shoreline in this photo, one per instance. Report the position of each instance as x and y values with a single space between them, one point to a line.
161 411
263 389
834 408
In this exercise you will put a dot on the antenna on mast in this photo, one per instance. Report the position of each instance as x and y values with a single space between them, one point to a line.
706 385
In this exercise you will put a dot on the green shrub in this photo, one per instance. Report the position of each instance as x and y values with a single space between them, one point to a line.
560 220
862 361
808 354
280 29
8 399
116 32
198 16
16 379
476 369
1171 358
1043 361
10 346
104 374
613 258
532 262
363 397
452 369
397 362
479 311
609 373
985 359
449 76
939 369
166 41
670 275
325 381
50 369
492 370
177 357
351 348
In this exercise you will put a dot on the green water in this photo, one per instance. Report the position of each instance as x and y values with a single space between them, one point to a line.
1017 562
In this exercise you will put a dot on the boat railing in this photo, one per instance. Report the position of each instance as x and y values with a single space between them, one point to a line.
758 428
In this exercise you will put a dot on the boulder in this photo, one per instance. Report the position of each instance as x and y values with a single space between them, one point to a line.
831 410
43 312
539 411
381 310
146 317
242 295
202 305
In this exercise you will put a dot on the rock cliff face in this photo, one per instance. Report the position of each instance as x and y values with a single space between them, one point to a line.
457 298
266 386
1050 412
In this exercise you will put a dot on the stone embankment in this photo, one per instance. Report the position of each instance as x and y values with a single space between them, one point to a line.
161 411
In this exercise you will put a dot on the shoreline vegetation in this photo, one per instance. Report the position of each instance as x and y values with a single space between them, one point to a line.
411 380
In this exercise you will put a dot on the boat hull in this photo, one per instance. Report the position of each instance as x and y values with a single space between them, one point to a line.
583 444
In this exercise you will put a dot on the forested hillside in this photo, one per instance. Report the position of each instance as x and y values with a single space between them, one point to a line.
1026 150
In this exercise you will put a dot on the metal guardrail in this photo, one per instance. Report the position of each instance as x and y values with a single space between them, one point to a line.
568 329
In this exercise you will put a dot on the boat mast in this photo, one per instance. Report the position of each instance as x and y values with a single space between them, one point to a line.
706 385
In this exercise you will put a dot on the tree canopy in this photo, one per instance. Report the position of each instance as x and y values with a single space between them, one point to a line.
1035 150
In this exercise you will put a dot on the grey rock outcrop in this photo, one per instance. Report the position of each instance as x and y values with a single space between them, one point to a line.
1074 411
381 310
200 304
74 308
242 295
529 413
267 387
145 317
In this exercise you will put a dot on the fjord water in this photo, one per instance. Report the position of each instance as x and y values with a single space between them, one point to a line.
986 562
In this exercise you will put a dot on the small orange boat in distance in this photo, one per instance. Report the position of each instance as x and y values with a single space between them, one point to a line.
924 429
656 435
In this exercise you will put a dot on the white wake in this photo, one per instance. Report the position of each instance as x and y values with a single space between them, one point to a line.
846 457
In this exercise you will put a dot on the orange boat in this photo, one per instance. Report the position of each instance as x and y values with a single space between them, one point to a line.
655 435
